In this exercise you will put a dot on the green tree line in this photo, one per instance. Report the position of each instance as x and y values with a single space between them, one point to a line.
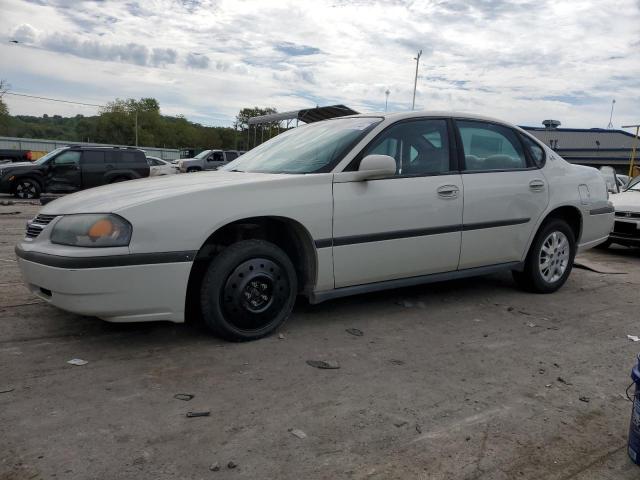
121 120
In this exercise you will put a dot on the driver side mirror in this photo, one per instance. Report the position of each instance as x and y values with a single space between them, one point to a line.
371 167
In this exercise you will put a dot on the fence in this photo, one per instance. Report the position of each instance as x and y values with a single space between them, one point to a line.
45 146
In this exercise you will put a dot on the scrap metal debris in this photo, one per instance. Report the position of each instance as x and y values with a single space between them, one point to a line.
396 362
584 399
231 465
6 389
633 338
214 467
562 380
183 396
595 267
355 332
280 336
324 365
205 413
77 361
297 433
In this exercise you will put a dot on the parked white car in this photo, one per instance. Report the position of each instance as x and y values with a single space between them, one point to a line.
334 208
626 230
159 167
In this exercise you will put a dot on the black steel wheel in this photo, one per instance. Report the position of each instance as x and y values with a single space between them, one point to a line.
26 188
248 290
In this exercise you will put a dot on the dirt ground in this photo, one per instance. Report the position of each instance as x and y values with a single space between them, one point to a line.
460 380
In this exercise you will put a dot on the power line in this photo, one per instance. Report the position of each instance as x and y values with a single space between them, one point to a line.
52 99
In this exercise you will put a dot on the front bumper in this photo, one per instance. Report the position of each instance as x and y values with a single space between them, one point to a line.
626 232
133 292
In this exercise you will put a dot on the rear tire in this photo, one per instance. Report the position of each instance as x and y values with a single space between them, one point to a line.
550 258
193 170
248 291
27 189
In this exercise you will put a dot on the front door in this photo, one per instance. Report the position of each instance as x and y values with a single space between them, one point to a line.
504 194
214 161
405 225
63 175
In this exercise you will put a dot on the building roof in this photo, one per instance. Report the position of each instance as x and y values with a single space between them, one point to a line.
583 138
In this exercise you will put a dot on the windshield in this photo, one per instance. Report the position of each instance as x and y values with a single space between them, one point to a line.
634 185
202 154
311 148
52 153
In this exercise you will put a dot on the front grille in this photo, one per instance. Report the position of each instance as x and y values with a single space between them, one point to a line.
35 226
625 228
628 214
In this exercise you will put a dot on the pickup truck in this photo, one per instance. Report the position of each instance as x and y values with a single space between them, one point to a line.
207 160
13 155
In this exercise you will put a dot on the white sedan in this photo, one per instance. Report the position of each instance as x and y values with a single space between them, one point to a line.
626 230
159 167
340 207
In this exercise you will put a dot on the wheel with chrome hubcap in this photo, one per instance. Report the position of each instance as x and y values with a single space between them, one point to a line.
27 189
248 290
550 258
554 256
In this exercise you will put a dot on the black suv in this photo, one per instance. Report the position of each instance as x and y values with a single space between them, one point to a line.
70 169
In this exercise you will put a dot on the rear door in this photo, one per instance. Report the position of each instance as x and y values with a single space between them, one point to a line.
93 168
504 194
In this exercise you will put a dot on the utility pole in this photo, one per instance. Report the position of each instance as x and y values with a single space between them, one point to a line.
136 128
613 102
415 82
633 149
386 100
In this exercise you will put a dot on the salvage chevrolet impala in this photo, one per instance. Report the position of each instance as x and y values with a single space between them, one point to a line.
339 207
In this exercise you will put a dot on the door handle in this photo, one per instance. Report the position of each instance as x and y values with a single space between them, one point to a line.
448 191
536 185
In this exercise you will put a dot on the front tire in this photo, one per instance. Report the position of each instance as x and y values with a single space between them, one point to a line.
248 291
550 258
27 189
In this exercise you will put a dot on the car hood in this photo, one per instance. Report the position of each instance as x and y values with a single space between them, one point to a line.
7 166
118 196
626 201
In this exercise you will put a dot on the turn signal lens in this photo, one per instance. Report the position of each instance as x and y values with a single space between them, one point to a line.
102 228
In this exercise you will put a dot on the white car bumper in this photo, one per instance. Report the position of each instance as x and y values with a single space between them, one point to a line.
126 293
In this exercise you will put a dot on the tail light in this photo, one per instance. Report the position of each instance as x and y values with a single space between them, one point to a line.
28 155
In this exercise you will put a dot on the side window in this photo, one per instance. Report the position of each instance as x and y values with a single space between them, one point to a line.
420 147
231 156
488 146
536 151
92 157
132 158
70 157
216 157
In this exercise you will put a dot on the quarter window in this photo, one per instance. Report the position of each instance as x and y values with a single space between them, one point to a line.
420 147
488 146
537 154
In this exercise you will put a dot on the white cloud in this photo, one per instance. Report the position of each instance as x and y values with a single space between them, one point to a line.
519 60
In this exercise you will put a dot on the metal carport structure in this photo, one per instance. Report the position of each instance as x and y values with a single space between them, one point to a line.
306 115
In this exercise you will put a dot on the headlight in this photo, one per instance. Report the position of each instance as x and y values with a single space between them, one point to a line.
92 230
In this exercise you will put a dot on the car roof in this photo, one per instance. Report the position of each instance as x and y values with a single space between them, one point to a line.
429 113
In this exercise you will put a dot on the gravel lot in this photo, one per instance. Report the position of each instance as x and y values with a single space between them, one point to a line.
460 380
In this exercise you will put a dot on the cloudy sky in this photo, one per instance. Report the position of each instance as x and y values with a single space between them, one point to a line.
519 60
